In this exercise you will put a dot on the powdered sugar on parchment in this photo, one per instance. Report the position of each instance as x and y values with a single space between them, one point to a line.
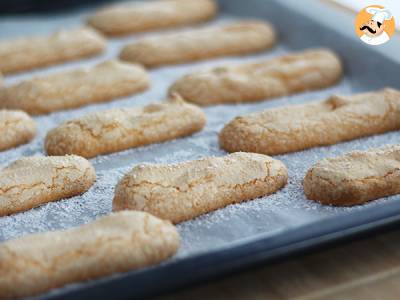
274 214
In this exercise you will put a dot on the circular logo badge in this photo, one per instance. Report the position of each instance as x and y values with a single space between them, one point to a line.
375 25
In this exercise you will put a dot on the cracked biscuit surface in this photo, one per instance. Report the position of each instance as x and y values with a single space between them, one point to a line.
142 16
116 243
184 191
16 128
298 127
355 178
31 181
27 53
65 90
123 128
288 74
237 38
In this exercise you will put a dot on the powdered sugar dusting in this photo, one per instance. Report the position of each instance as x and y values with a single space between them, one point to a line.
274 214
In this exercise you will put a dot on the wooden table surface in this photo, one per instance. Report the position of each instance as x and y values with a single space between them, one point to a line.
362 269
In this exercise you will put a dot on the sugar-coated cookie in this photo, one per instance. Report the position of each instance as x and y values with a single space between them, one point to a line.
355 178
70 89
135 16
116 243
27 53
16 128
123 128
31 181
288 74
237 38
298 127
184 191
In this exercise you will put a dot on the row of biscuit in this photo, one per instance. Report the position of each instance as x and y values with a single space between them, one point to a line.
272 132
173 192
308 70
169 48
198 186
27 53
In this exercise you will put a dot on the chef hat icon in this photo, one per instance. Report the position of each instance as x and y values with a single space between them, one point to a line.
379 14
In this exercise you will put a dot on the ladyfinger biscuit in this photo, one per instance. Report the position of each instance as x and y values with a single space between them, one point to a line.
65 90
293 73
31 181
196 44
116 243
16 128
355 178
148 15
27 53
299 127
184 191
120 129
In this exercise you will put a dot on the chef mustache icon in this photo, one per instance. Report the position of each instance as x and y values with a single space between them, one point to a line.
375 23
368 28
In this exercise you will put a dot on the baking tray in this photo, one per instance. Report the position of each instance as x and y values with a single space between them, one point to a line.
239 235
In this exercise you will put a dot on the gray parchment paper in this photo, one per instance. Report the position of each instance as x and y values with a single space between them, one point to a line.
270 215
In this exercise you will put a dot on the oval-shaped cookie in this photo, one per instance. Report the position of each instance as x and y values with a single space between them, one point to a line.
16 128
276 77
298 127
142 16
27 53
184 191
65 90
123 128
355 178
116 243
196 44
31 181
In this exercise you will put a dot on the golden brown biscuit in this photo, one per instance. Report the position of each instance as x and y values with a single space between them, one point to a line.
123 128
355 178
298 127
27 53
184 191
196 44
293 73
16 128
65 90
31 181
142 16
116 243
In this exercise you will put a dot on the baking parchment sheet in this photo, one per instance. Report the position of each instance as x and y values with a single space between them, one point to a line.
288 208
